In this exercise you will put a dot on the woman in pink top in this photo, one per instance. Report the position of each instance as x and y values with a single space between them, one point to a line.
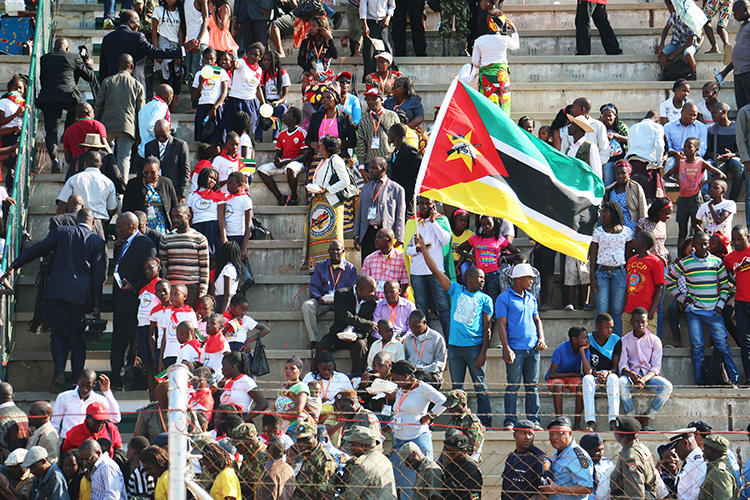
487 246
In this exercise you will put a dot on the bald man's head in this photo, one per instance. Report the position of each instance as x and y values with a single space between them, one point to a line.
40 412
6 392
61 44
126 225
165 92
84 110
125 62
75 202
85 216
162 129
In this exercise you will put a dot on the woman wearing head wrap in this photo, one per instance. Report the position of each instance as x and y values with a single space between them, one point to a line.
293 396
490 57
628 194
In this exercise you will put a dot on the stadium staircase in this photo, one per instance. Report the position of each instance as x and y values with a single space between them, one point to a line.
545 77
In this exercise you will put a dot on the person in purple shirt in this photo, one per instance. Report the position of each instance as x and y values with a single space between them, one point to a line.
640 365
333 273
394 308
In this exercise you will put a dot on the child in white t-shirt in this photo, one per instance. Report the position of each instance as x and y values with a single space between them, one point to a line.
236 214
238 325
670 109
716 214
147 301
210 94
205 308
216 344
177 312
229 265
159 318
191 349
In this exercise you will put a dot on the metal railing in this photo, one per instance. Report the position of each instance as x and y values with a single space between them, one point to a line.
25 169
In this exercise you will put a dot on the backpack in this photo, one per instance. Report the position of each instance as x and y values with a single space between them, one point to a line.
714 372
677 69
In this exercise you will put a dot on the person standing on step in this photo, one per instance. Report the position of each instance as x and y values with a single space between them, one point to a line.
375 16
490 58
722 149
118 103
593 444
60 70
596 132
594 10
527 467
463 421
605 348
719 482
693 471
70 406
381 206
740 55
131 250
520 331
702 432
415 10
44 434
640 366
98 192
644 282
470 316
737 264
76 133
706 294
454 26
156 109
572 470
403 165
372 131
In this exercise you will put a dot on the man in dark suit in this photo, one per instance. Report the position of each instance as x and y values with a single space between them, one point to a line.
60 69
127 40
403 166
74 288
254 17
174 157
353 310
131 250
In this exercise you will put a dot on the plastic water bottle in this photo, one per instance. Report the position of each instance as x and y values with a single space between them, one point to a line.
205 120
719 78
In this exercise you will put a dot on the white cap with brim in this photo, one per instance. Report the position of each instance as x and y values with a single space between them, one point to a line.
16 457
581 123
522 270
35 454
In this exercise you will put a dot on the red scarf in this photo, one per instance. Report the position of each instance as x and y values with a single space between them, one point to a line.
166 117
159 307
215 343
228 385
195 344
200 166
175 310
240 192
202 399
253 66
211 195
151 287
235 159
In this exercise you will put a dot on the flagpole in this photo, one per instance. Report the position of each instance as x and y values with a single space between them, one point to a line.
416 217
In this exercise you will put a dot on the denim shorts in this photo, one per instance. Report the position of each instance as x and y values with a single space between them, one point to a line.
672 47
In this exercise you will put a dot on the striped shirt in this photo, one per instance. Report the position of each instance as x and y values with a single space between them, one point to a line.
184 256
706 279
140 484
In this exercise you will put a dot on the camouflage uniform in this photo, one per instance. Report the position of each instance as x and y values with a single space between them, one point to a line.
252 465
362 417
454 12
720 481
313 470
467 423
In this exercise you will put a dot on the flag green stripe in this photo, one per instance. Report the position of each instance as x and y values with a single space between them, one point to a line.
569 171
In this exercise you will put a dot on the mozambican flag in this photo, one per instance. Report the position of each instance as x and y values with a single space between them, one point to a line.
480 160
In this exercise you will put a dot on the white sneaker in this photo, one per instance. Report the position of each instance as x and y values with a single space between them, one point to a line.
570 307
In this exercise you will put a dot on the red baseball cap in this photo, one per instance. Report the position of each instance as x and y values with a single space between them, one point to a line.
344 73
97 411
374 91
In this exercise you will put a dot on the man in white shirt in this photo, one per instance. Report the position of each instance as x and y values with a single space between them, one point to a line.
97 191
581 108
386 342
375 16
646 139
70 406
154 110
579 146
107 482
427 289
693 470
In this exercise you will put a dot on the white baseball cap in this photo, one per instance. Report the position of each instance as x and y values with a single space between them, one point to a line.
16 457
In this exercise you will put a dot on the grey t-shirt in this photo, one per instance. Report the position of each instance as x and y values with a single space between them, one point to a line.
741 51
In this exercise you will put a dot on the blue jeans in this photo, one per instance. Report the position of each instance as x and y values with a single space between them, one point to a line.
747 199
492 284
526 364
742 316
429 293
109 8
608 173
610 296
661 386
461 358
718 332
405 476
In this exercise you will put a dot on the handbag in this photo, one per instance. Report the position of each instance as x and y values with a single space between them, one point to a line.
714 371
260 232
351 190
248 279
309 9
259 363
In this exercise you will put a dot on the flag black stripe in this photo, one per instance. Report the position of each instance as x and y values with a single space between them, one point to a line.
538 191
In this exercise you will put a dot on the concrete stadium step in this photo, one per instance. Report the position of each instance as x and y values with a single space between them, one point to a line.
622 15
10 65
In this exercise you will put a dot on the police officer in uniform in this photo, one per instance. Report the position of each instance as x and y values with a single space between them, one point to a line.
693 471
720 481
527 468
635 473
572 472
463 420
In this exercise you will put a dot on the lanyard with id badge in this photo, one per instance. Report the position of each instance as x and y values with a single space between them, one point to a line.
372 210
375 143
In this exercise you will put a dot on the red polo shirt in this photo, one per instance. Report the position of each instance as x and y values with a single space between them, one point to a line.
76 134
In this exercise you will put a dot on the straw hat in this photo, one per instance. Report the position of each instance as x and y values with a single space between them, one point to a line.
580 122
94 141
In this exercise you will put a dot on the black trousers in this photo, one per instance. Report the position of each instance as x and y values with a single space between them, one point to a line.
357 348
742 89
585 13
367 245
52 113
66 325
368 51
415 11
124 334
254 31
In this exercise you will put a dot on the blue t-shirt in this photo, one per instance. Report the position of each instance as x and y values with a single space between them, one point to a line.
567 361
520 311
467 311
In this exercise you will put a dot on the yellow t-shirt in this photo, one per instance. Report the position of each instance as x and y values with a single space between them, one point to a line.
227 484
162 487
84 493
458 241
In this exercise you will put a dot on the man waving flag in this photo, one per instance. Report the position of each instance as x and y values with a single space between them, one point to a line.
478 159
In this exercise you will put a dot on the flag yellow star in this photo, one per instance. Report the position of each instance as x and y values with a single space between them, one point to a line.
463 149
